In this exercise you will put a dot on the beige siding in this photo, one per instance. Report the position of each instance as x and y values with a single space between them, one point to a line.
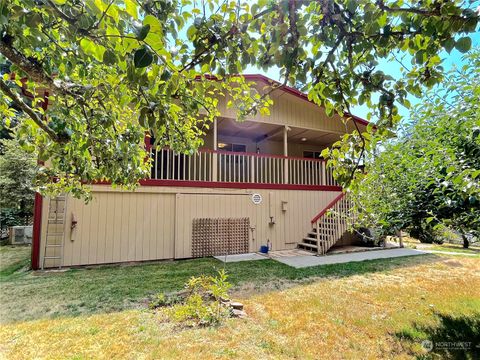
290 110
119 226
154 223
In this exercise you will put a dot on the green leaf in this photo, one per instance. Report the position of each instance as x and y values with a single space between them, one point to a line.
142 119
142 57
131 8
463 44
192 30
420 57
90 48
155 25
449 45
142 32
109 57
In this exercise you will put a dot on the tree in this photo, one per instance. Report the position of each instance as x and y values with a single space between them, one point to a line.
430 177
114 70
17 171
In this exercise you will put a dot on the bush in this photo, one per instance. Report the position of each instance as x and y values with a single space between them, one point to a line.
203 303
368 237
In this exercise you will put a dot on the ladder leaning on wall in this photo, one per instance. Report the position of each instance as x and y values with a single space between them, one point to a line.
55 233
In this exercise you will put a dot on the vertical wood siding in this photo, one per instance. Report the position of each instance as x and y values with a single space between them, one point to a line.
155 223
288 109
120 226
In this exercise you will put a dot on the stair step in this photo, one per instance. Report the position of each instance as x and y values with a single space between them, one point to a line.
309 241
314 235
308 245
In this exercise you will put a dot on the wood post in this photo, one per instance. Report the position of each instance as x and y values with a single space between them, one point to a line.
285 153
400 239
215 155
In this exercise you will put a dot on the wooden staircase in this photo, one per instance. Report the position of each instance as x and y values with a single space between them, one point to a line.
328 226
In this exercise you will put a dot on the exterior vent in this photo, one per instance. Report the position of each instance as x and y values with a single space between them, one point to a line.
257 199
20 235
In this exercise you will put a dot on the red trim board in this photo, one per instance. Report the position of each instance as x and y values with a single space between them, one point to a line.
37 228
232 185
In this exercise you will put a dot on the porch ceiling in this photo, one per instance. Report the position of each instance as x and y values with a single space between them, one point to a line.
312 137
245 129
258 131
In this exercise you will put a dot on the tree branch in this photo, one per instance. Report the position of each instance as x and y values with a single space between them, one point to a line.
30 112
412 10
35 71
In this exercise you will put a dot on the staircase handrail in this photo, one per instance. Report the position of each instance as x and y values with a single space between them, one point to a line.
328 207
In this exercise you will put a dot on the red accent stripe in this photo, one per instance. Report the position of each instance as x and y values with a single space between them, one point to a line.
329 206
37 211
238 185
37 227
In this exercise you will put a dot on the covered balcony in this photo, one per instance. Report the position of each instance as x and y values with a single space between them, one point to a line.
250 154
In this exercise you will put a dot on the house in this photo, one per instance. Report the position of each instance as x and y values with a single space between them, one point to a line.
257 182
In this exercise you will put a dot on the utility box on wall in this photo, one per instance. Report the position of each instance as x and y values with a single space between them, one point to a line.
20 235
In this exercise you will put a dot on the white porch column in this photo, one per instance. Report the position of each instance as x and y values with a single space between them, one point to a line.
285 153
215 155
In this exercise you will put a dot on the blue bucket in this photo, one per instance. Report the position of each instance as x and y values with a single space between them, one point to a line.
264 249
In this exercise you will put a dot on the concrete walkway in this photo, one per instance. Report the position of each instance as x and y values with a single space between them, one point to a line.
241 257
310 260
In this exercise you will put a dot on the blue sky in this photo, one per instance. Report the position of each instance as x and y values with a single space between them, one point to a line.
393 69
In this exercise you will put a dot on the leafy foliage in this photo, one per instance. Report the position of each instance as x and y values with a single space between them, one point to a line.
115 70
17 171
429 177
205 304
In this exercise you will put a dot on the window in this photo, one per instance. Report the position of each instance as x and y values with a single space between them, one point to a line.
232 147
312 155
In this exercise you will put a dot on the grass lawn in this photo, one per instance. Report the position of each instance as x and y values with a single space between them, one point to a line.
375 309
473 249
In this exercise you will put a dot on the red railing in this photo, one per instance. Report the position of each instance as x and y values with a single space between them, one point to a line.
328 207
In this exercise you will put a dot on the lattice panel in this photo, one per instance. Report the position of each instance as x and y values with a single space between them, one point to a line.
220 236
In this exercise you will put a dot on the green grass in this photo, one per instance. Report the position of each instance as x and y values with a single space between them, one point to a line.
474 249
456 337
13 258
76 292
373 309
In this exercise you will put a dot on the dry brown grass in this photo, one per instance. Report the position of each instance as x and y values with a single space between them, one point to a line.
351 317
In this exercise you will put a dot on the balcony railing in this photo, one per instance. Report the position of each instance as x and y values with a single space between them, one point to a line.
219 166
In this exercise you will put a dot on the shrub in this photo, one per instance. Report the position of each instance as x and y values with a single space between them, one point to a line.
203 303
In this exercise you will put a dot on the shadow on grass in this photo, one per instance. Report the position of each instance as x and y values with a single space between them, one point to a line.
112 288
452 338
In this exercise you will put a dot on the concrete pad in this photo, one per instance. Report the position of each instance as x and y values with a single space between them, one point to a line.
312 260
240 257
